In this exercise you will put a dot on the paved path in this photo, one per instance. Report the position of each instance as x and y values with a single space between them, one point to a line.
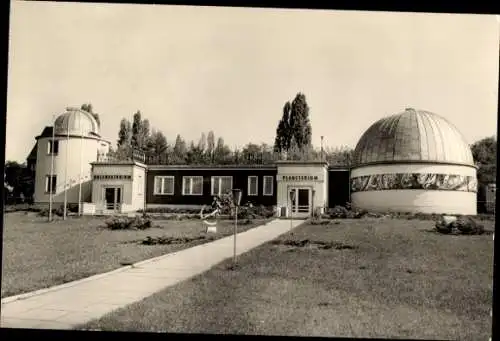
71 304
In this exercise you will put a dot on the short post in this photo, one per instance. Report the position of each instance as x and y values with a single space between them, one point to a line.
236 202
292 199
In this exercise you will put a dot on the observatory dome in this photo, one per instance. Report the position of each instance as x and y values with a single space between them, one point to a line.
412 135
76 122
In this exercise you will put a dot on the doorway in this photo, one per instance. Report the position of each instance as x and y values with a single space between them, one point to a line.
113 198
300 198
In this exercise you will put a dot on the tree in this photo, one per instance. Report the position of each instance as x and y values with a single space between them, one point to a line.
300 126
251 153
222 153
340 156
125 133
158 146
294 124
484 153
210 146
140 132
194 154
283 134
88 108
202 144
19 178
136 130
179 155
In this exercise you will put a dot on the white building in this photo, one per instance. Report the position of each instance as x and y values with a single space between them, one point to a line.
64 154
414 161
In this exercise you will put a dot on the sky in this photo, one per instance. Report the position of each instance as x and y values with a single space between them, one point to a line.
231 70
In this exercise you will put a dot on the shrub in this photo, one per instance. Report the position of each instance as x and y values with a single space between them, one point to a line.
338 212
128 223
55 212
463 225
467 225
341 212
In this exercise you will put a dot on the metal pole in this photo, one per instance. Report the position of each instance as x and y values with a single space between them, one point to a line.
81 168
51 180
66 175
234 239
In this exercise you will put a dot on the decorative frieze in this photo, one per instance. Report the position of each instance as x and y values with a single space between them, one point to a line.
427 181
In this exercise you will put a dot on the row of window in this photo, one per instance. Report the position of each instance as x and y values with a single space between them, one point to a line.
193 185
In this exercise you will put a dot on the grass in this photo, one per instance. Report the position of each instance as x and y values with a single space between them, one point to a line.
38 254
387 278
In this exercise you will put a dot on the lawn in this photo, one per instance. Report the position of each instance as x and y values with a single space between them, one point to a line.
386 278
38 254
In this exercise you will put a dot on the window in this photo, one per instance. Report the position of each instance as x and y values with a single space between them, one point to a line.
53 147
221 184
253 187
140 185
192 185
268 185
164 185
50 183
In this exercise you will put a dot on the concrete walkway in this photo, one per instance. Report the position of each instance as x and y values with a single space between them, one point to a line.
71 304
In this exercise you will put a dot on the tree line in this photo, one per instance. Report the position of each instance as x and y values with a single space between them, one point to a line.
293 141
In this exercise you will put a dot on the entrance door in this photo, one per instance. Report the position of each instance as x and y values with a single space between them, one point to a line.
303 200
113 198
300 199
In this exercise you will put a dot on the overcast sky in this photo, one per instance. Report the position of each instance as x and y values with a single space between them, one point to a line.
194 69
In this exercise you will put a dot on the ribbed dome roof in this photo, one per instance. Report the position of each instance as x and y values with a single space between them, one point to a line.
413 135
78 122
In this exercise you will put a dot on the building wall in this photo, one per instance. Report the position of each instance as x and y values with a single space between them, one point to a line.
319 185
416 200
491 192
338 187
240 181
110 170
139 187
75 174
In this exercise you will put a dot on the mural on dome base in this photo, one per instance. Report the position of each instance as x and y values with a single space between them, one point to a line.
427 181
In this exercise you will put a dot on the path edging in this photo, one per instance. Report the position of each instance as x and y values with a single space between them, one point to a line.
94 277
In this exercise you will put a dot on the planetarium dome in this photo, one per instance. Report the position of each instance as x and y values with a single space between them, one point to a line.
76 122
414 161
413 135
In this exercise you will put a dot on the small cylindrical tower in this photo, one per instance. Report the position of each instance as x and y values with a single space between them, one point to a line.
64 155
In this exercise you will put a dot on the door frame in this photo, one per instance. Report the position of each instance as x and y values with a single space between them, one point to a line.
117 205
294 213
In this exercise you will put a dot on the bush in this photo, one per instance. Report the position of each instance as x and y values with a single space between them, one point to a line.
462 225
467 225
341 212
55 212
127 223
172 210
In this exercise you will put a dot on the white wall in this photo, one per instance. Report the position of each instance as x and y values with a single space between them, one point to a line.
320 185
139 188
414 200
98 185
74 172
